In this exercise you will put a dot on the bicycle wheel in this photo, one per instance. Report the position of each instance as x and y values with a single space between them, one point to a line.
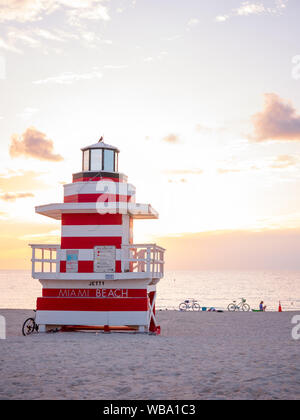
196 307
183 307
246 307
231 307
29 326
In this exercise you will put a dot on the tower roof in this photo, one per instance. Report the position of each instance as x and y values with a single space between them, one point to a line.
101 145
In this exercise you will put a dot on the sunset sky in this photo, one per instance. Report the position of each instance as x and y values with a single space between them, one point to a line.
201 97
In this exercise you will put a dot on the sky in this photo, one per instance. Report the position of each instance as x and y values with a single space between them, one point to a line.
202 99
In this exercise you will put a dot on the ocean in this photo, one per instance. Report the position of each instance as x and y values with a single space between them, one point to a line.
210 288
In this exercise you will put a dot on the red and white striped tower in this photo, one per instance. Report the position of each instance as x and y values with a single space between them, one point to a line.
97 277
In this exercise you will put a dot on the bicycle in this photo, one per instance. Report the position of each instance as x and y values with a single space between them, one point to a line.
189 304
30 326
232 307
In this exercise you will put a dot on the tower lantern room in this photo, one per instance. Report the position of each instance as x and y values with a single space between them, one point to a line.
100 157
97 277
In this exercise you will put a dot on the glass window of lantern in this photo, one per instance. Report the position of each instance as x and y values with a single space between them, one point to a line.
96 160
86 160
109 160
116 162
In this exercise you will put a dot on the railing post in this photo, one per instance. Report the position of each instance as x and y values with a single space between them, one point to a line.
148 260
58 259
122 259
51 260
154 260
33 261
43 257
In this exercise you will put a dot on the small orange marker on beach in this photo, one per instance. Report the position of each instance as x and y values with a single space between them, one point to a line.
279 308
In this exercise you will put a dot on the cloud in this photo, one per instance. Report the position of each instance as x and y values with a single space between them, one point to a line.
8 46
91 38
284 161
182 181
19 181
222 18
24 37
87 9
247 8
184 172
201 128
279 120
35 10
15 196
171 138
193 22
68 78
222 171
51 36
3 215
28 113
24 10
75 13
172 38
115 66
35 37
33 143
148 59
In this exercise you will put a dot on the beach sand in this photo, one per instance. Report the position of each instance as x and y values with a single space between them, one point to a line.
197 356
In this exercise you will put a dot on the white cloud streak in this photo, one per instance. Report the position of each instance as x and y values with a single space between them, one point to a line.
68 78
247 8
35 10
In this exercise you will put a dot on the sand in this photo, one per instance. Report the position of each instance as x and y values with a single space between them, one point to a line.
197 356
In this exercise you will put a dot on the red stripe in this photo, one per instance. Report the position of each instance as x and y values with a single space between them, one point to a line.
91 198
91 219
87 267
118 267
92 304
86 179
92 293
90 242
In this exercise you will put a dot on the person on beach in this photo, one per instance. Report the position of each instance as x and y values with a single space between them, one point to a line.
262 307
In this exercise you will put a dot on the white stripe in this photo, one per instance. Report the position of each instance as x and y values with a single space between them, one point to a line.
85 231
125 224
88 255
106 187
85 284
138 211
92 318
146 277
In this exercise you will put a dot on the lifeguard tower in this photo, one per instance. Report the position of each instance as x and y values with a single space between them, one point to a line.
97 277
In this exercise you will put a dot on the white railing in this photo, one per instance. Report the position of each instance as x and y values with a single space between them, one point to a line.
45 264
143 258
146 260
